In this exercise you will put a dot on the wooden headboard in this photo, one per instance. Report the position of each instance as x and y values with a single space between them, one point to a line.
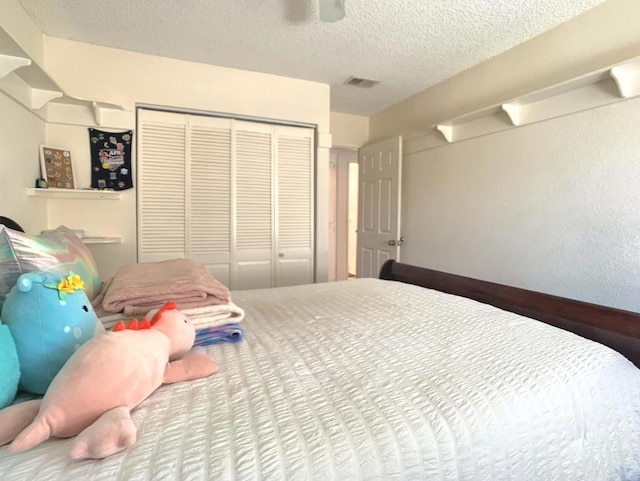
615 328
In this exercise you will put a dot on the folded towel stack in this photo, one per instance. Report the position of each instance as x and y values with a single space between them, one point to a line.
135 289
139 288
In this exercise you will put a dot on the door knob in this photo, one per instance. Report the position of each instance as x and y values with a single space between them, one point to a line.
398 242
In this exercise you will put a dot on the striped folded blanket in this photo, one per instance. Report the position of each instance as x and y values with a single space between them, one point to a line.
201 317
219 334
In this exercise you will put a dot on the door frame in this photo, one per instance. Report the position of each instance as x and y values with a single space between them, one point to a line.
341 158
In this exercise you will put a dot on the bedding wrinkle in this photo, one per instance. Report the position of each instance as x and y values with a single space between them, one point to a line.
311 392
356 398
411 398
267 428
318 396
193 438
443 420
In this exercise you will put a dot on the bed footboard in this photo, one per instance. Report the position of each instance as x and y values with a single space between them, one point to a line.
618 329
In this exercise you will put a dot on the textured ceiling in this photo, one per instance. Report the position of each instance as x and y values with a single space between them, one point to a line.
407 45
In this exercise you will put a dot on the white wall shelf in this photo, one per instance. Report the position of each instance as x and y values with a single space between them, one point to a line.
9 63
101 240
24 80
602 87
53 193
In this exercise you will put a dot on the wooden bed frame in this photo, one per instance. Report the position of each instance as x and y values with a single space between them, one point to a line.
615 328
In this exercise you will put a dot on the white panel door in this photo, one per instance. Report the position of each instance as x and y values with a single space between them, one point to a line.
161 181
252 186
294 205
208 200
379 205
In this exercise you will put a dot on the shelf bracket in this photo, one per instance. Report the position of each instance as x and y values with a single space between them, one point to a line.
513 111
40 97
9 63
446 131
97 112
627 80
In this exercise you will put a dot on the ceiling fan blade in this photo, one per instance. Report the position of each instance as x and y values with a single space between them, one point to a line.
331 10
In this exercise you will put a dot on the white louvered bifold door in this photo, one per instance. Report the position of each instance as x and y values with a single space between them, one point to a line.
294 206
209 194
161 186
235 196
252 242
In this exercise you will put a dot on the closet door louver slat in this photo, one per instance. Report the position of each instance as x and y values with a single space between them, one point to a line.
210 191
253 164
253 190
294 192
294 160
161 197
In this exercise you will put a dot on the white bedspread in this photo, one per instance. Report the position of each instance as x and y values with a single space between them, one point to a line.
374 380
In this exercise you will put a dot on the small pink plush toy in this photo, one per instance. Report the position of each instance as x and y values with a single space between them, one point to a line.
94 393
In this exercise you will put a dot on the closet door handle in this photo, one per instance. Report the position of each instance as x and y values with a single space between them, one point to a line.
281 254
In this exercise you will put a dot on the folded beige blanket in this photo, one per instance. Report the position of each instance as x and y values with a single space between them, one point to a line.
214 316
201 317
137 288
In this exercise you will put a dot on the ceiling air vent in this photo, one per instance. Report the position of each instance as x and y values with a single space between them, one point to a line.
362 83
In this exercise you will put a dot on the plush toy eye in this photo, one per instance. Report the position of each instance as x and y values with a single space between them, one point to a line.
85 308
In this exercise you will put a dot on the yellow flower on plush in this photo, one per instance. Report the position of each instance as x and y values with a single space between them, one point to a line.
71 283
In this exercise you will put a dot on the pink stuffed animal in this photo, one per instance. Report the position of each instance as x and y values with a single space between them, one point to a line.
93 394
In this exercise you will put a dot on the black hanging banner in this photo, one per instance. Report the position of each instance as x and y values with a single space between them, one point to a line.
111 159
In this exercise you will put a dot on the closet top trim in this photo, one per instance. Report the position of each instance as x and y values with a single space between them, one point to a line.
224 115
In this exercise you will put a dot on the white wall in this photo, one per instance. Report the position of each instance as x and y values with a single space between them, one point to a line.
349 131
20 134
128 78
84 70
549 206
553 206
88 71
605 35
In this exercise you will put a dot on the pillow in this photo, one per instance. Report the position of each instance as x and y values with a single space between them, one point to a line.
58 251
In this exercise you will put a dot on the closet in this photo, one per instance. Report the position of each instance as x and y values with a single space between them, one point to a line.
234 195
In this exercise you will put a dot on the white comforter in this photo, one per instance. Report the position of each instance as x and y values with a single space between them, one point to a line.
372 379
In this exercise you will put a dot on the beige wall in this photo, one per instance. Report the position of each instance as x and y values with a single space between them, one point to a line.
20 134
17 24
349 131
603 36
127 79
88 71
551 206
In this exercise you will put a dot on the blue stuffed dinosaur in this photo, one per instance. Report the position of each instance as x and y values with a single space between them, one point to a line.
9 367
49 316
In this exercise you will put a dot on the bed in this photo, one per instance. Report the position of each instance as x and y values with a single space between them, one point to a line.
417 375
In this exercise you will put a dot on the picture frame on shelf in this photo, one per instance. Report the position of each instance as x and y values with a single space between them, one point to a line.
56 165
